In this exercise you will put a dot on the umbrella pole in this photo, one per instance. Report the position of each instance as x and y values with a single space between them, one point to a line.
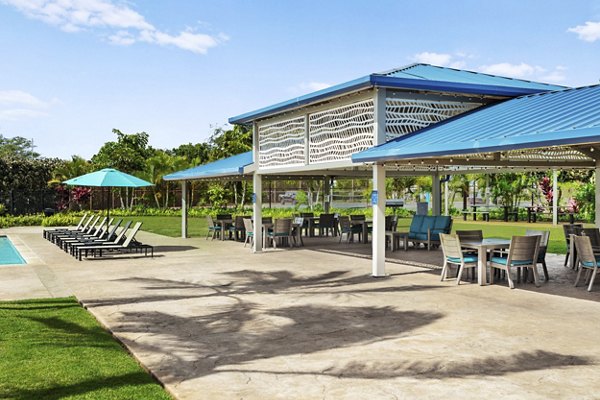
108 210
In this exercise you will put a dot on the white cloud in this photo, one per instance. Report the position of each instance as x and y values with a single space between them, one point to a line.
125 26
590 32
521 70
308 87
441 59
16 104
557 75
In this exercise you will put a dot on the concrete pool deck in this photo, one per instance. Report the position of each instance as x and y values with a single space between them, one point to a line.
211 320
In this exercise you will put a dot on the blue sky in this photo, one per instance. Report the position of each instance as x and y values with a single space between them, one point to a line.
72 70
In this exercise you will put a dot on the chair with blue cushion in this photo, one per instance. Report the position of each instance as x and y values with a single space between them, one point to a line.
214 229
427 229
454 255
522 253
249 231
587 260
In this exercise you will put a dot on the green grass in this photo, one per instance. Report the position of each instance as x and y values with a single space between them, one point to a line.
54 349
171 226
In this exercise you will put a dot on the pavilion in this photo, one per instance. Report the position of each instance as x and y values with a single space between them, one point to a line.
416 120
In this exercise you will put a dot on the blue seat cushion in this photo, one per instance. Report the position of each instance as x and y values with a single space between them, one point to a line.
428 223
467 259
590 264
417 236
442 223
503 260
415 225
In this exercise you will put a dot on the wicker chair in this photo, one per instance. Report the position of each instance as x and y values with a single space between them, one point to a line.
282 230
249 231
214 229
453 255
522 253
346 228
473 235
326 224
541 259
573 229
586 259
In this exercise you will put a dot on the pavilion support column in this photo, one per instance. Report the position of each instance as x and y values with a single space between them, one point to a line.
327 194
446 198
378 203
257 213
436 194
597 178
554 197
184 210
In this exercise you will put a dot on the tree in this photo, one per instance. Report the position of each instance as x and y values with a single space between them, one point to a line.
17 147
128 154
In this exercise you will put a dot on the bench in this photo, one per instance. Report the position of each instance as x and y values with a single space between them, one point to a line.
426 229
485 214
533 212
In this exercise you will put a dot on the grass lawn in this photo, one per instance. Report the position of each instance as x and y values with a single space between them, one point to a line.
54 349
171 226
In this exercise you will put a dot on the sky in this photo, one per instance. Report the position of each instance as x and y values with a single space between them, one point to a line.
72 70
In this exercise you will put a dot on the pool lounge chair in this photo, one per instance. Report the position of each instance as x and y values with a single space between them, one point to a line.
129 244
102 238
47 232
99 234
89 229
119 239
50 235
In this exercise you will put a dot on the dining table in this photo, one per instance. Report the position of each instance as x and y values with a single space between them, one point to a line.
483 247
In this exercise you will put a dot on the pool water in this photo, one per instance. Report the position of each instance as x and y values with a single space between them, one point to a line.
8 254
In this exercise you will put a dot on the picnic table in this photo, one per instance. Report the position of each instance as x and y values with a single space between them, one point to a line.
533 211
485 212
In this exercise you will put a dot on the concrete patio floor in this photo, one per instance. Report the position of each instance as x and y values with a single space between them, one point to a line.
211 321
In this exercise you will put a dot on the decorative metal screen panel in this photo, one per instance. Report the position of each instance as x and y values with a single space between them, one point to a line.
337 133
282 143
403 116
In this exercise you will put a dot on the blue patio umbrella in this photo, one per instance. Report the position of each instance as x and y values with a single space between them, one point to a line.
108 177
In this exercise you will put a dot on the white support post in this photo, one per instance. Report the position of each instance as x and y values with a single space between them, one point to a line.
597 177
326 194
184 210
554 197
446 199
257 213
378 245
436 194
378 220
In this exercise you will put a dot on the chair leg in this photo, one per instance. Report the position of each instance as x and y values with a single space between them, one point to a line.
444 270
567 256
545 268
460 272
511 284
578 276
536 278
592 279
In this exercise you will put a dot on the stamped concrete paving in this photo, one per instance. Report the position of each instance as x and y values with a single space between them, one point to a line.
213 321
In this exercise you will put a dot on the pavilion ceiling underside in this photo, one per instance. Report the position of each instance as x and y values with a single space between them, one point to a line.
334 134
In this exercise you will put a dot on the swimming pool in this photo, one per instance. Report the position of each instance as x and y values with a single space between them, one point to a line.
9 255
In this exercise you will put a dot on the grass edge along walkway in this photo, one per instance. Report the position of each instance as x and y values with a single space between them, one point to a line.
54 349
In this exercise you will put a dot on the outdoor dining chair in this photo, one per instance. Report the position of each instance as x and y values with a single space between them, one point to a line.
541 259
471 235
454 255
326 224
249 231
586 259
238 229
571 229
347 229
594 235
214 229
522 253
282 230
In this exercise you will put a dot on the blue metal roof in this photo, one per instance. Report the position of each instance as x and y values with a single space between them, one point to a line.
416 77
229 166
565 117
